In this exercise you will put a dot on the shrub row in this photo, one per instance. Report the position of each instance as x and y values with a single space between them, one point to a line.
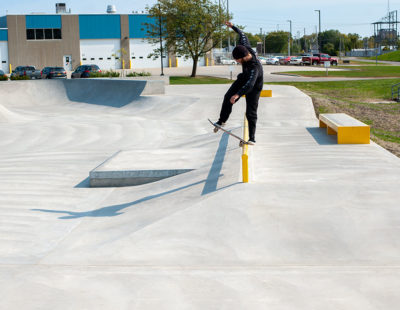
19 78
135 74
117 74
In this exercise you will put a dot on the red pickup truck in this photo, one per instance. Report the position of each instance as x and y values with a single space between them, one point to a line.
317 59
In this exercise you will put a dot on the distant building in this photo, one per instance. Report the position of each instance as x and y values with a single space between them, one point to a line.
368 52
107 40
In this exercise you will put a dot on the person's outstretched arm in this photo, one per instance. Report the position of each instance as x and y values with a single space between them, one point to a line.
243 40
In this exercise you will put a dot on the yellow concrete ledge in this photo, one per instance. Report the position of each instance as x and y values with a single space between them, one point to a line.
348 129
266 93
245 150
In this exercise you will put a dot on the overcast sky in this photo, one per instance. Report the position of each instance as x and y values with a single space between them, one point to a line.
347 16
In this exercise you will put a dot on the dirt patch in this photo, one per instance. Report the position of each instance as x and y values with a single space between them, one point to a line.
383 117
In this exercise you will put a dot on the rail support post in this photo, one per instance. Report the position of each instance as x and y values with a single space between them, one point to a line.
245 150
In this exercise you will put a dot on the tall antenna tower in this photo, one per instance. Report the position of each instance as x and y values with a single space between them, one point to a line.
385 31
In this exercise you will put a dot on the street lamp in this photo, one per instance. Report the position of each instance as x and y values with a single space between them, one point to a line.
229 35
319 29
161 46
290 35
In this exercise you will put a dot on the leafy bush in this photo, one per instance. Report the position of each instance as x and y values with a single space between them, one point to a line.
3 78
19 78
136 74
104 74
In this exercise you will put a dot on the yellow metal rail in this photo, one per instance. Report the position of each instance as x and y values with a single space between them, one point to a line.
245 152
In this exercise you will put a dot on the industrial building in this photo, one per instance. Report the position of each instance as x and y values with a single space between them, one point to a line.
111 41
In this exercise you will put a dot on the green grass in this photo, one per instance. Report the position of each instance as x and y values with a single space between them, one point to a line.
355 72
351 91
389 136
186 80
392 56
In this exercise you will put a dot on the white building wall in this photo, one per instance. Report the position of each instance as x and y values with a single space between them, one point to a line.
104 53
183 62
140 50
4 56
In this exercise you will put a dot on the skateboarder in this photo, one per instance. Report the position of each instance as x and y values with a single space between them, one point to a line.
249 82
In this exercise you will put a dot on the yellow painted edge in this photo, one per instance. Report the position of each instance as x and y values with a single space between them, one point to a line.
176 61
170 62
322 124
245 150
130 64
354 135
330 131
245 168
266 93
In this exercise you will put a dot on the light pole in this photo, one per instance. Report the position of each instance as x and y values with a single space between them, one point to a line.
290 36
319 29
161 47
229 35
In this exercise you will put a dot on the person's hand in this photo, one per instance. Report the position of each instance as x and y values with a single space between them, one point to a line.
229 24
234 98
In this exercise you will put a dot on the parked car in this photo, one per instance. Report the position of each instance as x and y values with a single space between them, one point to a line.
298 60
53 72
84 71
263 60
285 60
2 73
273 61
227 61
317 59
29 71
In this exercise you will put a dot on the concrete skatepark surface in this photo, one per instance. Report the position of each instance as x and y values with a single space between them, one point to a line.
316 228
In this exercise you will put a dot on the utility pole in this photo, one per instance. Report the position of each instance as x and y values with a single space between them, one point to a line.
229 35
290 36
161 47
319 31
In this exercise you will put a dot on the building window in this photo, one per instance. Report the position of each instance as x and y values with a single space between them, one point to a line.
100 58
57 34
109 58
91 58
30 34
39 33
4 62
43 34
48 34
83 58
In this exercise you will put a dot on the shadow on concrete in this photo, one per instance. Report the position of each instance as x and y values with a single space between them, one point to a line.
319 135
210 185
84 184
215 170
107 92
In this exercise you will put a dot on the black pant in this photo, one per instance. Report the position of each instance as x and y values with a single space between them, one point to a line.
252 98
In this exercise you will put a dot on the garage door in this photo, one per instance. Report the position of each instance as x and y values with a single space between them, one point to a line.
104 53
4 56
140 52
188 62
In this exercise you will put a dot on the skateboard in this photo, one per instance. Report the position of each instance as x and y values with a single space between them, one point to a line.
241 143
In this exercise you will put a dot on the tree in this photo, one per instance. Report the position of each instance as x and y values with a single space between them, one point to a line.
277 42
189 28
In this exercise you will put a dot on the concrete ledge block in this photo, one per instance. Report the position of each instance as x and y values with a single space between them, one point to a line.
130 168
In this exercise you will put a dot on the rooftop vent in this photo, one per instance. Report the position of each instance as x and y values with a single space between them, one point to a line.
111 9
61 8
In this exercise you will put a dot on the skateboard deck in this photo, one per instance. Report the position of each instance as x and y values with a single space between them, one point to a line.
242 142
